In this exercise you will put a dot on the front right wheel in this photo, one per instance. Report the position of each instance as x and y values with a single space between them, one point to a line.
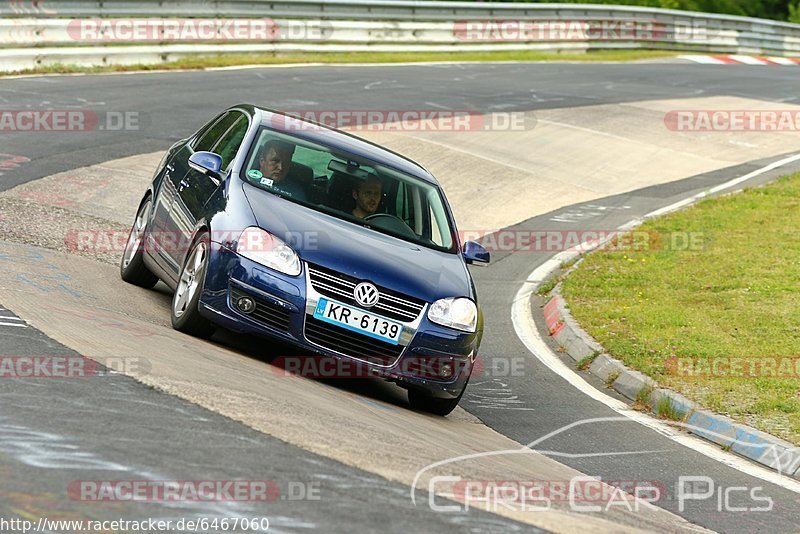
425 402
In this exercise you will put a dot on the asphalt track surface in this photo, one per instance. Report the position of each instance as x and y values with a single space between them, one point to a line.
524 407
111 426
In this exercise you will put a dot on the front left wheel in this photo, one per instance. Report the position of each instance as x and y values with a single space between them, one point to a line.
132 268
185 311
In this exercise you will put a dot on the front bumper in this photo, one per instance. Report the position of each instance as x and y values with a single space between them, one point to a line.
284 311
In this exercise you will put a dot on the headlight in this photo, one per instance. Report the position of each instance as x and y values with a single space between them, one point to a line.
264 248
458 313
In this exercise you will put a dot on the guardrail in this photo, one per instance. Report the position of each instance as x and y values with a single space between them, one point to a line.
38 33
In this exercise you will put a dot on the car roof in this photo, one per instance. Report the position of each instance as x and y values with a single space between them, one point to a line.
339 140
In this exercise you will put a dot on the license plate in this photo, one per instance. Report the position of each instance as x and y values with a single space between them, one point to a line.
358 320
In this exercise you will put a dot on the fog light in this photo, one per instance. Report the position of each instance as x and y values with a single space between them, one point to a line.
246 305
447 370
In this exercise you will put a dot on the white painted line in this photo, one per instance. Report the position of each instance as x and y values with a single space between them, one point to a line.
749 60
14 324
706 60
759 172
12 318
525 328
731 183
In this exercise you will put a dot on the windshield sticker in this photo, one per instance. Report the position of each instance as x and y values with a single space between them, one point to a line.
266 181
255 174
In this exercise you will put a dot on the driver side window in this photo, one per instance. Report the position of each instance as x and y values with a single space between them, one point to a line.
210 137
228 146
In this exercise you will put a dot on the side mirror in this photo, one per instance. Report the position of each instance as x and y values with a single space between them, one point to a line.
207 163
474 252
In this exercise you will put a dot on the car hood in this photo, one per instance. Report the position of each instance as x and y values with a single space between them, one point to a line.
360 252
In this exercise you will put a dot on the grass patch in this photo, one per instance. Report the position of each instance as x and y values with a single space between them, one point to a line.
732 293
665 409
547 286
567 265
586 362
643 396
231 60
612 377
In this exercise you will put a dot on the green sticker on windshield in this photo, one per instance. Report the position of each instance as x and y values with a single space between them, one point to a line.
255 174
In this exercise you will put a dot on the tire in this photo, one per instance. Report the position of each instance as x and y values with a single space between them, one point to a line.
131 267
425 402
184 310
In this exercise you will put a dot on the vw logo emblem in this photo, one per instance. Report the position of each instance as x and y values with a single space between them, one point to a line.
366 294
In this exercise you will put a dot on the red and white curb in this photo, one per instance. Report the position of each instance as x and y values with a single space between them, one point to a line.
744 60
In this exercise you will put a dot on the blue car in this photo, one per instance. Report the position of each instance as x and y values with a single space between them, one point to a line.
266 224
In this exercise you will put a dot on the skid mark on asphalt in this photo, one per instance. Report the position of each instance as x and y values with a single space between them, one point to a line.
588 211
494 394
46 450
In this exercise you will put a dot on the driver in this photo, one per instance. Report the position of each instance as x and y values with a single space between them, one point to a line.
274 162
367 196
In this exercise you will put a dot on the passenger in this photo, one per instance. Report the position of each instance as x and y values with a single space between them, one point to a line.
274 162
367 196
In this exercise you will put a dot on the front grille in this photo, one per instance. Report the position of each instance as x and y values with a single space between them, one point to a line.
265 312
351 344
391 304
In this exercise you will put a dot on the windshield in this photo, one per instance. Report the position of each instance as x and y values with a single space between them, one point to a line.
349 188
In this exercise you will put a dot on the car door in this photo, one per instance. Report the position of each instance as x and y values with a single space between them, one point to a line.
195 188
162 240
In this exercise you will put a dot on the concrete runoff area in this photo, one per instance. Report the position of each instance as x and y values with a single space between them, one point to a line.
88 308
495 179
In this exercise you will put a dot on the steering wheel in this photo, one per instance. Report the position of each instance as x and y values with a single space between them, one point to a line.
392 223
